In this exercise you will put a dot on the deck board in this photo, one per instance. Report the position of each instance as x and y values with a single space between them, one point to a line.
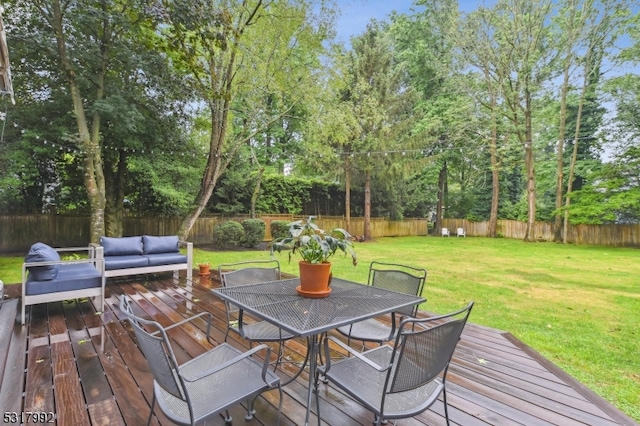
86 366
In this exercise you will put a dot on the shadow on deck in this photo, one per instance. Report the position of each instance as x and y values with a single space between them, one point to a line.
85 368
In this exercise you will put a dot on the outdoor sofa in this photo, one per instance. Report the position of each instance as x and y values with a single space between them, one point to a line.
48 278
144 254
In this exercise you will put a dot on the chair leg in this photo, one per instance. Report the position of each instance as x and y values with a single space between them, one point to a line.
153 403
250 410
279 404
444 398
280 355
227 418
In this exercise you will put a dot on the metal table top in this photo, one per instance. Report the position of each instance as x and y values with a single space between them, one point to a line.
279 303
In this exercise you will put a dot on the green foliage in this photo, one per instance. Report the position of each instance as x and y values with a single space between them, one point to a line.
313 244
254 231
279 229
228 234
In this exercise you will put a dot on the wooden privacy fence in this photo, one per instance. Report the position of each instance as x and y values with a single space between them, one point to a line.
19 232
607 235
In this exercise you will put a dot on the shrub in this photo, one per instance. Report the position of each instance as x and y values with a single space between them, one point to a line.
228 234
254 230
279 229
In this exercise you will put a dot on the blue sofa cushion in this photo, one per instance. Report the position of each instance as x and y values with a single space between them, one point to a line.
166 259
125 262
154 245
122 246
40 252
72 276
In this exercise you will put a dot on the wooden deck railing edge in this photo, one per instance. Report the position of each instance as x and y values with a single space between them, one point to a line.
590 395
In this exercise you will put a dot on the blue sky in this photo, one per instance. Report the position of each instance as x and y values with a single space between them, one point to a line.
357 13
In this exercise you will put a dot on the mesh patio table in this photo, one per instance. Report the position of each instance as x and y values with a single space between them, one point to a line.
279 303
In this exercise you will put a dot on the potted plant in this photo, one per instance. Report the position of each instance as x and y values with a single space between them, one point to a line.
204 268
315 247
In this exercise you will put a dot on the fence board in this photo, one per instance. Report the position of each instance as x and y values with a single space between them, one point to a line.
19 232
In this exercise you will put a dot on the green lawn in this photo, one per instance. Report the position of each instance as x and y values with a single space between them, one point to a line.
579 306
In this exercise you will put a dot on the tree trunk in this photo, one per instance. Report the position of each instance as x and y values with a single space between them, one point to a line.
347 193
256 192
557 227
531 178
212 170
574 154
442 183
90 147
495 162
114 197
495 184
367 206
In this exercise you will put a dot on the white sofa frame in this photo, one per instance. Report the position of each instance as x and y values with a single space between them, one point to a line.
58 296
188 266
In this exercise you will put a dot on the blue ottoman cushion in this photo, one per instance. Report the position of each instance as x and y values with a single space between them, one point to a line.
73 276
40 252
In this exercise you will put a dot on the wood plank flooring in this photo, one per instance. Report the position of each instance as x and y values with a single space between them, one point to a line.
84 366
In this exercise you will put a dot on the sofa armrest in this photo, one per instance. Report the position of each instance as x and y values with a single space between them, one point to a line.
189 246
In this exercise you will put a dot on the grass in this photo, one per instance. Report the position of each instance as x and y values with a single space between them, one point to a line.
579 306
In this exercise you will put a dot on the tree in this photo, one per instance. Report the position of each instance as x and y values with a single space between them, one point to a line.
522 66
241 55
380 98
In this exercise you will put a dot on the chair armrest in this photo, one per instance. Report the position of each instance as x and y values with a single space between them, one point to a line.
186 320
231 362
351 352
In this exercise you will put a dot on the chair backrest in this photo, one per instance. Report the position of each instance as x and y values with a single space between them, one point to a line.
424 348
445 231
249 272
460 231
157 350
401 278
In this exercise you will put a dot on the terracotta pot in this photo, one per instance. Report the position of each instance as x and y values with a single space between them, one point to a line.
204 269
315 279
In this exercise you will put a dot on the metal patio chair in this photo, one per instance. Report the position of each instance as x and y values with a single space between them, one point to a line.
390 276
252 272
405 379
205 385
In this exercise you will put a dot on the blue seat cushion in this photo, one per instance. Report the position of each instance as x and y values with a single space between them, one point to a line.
154 245
124 262
40 252
122 246
73 276
166 259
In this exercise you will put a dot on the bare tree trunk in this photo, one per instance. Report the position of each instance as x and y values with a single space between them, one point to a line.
557 227
367 206
531 177
442 183
495 166
574 154
495 183
347 193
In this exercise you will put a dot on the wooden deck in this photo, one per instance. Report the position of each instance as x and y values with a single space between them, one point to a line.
86 369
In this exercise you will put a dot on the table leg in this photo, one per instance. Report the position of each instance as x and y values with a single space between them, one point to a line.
314 346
